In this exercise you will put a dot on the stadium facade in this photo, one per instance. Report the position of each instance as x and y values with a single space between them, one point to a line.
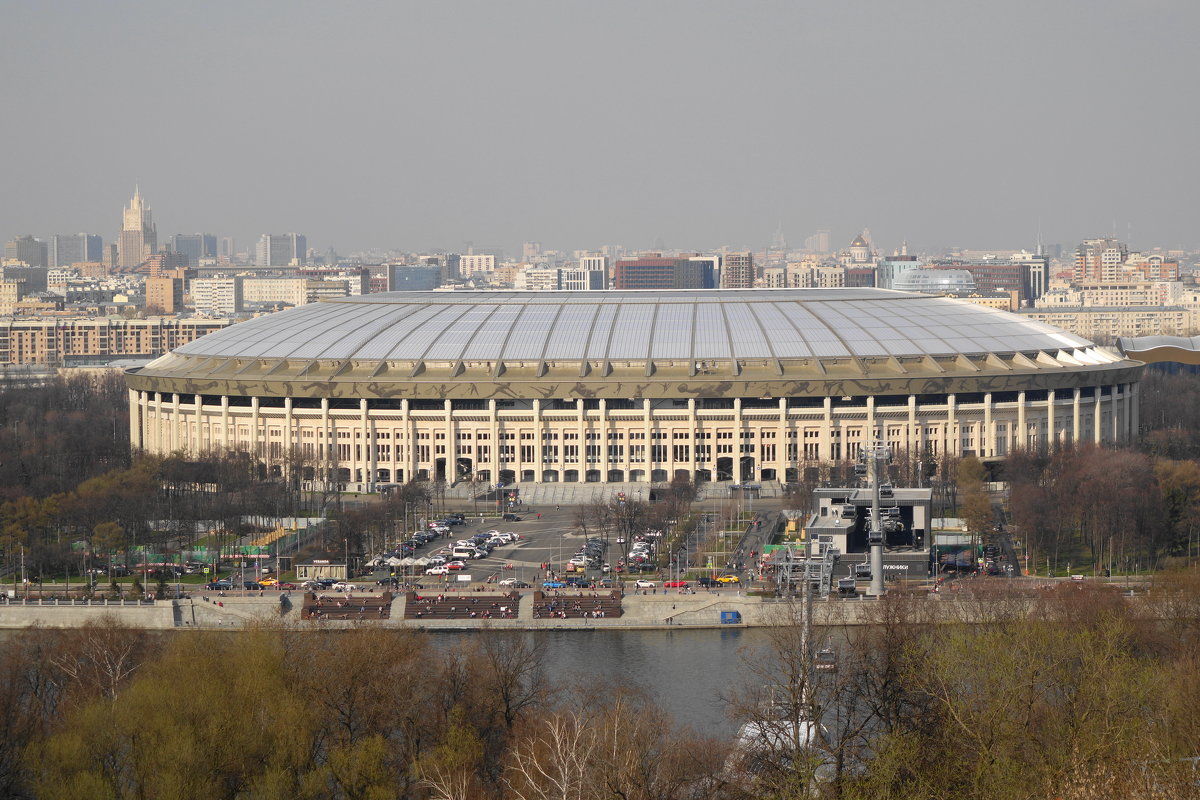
747 385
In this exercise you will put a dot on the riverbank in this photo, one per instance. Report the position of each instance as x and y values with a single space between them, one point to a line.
487 607
638 612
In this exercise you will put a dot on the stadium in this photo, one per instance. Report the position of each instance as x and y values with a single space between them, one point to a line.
626 387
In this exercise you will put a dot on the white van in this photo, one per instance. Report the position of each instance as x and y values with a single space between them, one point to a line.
465 552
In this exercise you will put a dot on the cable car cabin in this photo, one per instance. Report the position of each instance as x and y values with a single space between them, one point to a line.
825 661
849 511
885 490
847 585
893 512
862 571
860 470
874 537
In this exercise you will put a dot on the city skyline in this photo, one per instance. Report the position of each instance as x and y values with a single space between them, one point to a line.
699 126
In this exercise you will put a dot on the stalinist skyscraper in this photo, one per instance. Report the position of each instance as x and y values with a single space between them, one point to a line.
139 237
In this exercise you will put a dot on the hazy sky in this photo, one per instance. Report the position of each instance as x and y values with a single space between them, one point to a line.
420 125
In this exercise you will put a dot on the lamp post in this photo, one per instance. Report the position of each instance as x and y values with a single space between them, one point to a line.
877 453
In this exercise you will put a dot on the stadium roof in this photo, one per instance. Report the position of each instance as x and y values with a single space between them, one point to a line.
674 344
621 326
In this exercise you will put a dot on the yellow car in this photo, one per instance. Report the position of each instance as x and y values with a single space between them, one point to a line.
729 579
269 582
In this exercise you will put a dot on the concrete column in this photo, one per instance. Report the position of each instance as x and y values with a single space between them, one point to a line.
176 422
647 424
826 453
254 425
1135 421
989 428
781 446
538 448
914 433
872 435
326 444
603 434
952 442
410 442
198 439
225 421
1051 434
1022 432
136 416
1075 410
451 454
1114 413
1097 416
291 439
494 427
581 430
367 462
156 430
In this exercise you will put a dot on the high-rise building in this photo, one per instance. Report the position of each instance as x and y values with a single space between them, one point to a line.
194 245
281 250
473 263
1100 260
166 261
819 242
581 280
73 248
737 271
31 251
531 251
227 247
165 294
139 236
656 272
217 296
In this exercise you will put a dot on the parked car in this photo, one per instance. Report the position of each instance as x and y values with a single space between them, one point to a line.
438 570
641 583
729 579
218 585
513 583
553 585
707 581
269 582
286 586
252 586
456 565
675 584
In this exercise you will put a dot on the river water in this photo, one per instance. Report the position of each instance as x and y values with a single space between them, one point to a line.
688 672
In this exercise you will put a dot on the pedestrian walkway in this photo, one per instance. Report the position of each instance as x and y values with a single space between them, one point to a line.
543 495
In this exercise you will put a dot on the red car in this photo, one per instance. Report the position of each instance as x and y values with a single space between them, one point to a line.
456 565
675 584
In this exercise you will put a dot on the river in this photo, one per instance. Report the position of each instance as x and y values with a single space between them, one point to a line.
689 672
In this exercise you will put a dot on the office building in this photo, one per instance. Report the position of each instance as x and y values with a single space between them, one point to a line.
1099 260
217 297
737 271
91 340
195 246
281 250
164 294
74 248
27 250
656 272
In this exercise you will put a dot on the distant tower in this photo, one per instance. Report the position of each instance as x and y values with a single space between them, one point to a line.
779 244
139 237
